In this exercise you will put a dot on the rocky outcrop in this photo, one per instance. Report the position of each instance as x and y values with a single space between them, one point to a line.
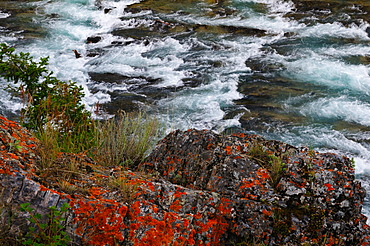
197 188
277 193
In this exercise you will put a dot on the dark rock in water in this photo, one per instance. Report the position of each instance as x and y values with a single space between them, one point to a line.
368 31
108 77
156 29
132 10
93 40
329 11
126 101
140 90
163 28
77 54
22 22
204 189
119 79
358 59
244 31
92 54
107 10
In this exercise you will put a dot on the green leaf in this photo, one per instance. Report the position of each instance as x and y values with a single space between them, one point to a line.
25 207
43 226
28 242
32 220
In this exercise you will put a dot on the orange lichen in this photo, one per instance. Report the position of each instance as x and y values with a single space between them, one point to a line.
263 173
99 224
170 230
228 150
240 135
266 212
175 206
329 186
96 191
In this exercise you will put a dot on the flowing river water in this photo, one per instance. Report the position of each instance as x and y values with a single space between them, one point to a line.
290 70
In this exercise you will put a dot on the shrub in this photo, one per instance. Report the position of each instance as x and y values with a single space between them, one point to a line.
47 99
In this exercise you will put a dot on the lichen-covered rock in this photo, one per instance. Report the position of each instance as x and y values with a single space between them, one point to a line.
198 188
278 194
18 161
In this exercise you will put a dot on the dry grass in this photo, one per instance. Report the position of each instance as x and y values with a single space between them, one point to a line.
125 139
127 187
49 147
120 142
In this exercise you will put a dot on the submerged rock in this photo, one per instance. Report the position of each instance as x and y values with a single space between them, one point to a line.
93 39
202 188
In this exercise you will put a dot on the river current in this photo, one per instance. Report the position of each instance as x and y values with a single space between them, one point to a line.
292 70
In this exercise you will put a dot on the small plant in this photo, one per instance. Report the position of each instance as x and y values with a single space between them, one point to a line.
276 167
353 163
125 139
52 232
257 153
14 146
49 148
272 163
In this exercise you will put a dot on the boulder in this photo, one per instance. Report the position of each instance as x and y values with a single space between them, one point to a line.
195 188
277 194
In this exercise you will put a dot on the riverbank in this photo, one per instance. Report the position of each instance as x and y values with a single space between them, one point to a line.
196 187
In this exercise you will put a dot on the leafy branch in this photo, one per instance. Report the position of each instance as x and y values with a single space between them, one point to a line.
51 233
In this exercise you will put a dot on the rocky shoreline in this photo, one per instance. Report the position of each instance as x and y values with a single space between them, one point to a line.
195 188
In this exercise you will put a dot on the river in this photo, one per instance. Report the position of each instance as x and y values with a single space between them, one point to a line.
293 70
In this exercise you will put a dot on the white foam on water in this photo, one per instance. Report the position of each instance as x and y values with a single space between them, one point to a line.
362 165
8 103
335 74
366 208
5 35
4 15
7 38
337 30
341 108
332 109
323 138
345 50
156 60
275 6
202 107
274 25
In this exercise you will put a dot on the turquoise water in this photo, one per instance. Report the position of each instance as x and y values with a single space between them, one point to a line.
271 67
